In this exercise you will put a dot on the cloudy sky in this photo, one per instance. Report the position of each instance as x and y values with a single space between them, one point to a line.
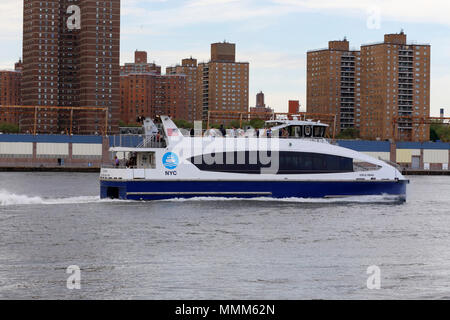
273 35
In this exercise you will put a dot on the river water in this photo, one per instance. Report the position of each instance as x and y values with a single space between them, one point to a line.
216 248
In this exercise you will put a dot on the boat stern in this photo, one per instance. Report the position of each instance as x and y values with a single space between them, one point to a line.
113 184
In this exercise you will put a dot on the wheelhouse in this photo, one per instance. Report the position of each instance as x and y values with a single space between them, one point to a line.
298 129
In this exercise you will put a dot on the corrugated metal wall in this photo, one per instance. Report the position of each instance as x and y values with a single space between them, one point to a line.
90 147
16 149
79 149
379 155
52 149
405 155
435 156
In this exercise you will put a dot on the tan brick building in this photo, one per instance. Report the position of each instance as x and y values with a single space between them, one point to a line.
72 67
222 83
188 68
333 83
395 82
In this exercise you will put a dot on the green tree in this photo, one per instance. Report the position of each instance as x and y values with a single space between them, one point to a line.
440 131
235 124
183 124
9 128
257 123
433 133
348 134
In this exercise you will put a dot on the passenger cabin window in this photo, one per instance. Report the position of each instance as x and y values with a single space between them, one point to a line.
286 162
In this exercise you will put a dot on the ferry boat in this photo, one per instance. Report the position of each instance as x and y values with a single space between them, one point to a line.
287 159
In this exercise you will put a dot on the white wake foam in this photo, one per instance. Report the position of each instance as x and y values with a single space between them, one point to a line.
10 199
355 199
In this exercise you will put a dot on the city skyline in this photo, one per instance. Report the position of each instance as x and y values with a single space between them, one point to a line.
273 36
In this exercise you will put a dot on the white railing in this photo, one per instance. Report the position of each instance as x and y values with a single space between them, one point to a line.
152 143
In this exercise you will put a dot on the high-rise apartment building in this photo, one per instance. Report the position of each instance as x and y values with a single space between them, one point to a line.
222 83
140 65
260 103
10 95
152 95
333 83
378 90
71 54
135 96
260 111
188 68
170 96
395 83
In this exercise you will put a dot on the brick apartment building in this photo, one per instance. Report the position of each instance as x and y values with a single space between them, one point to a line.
71 67
260 100
188 68
150 94
333 83
140 65
370 89
10 93
395 82
222 83
261 108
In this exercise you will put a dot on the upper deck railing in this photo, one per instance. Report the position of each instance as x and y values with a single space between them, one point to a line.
153 142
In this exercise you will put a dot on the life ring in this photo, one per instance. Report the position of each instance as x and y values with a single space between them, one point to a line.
308 131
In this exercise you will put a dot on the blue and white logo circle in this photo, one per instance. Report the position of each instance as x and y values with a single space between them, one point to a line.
170 161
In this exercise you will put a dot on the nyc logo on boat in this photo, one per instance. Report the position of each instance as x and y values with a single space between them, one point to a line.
170 161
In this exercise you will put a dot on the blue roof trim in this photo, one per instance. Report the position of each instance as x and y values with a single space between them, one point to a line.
366 146
425 145
125 141
134 141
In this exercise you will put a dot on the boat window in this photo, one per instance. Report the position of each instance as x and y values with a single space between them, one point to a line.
319 131
308 131
316 131
361 165
296 131
144 160
288 163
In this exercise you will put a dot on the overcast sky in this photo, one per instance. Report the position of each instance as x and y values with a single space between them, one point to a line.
273 35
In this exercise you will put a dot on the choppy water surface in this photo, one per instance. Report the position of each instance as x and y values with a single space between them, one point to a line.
219 249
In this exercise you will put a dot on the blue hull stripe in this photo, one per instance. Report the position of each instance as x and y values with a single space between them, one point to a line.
160 190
